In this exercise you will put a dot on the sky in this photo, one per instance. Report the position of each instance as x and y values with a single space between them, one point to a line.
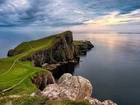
81 15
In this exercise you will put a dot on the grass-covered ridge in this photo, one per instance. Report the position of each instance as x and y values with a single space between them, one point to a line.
27 100
15 75
36 45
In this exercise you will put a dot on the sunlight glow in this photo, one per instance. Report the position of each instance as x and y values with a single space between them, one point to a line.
116 18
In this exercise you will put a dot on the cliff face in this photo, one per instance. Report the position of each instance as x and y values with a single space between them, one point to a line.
51 51
81 49
41 80
61 51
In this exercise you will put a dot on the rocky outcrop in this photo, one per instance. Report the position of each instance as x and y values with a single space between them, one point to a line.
82 48
73 88
11 53
41 80
68 87
62 51
95 101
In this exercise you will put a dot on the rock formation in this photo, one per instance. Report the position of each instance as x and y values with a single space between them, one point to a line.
73 88
62 51
41 80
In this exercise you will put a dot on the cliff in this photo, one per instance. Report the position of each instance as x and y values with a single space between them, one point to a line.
49 53
41 80
62 50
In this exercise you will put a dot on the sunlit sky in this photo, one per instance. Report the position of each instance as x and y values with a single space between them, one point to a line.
84 15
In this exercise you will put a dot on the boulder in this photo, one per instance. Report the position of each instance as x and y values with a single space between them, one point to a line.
95 101
108 102
73 88
81 85
68 87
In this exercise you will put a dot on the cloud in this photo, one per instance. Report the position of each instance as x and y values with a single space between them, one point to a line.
59 13
116 18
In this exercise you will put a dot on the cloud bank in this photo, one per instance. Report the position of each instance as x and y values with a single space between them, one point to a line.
59 13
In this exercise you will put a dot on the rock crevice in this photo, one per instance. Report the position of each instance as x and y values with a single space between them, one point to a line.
41 80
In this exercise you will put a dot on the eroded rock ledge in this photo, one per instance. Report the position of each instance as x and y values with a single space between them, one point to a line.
73 88
41 80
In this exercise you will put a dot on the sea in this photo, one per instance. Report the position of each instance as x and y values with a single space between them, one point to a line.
112 66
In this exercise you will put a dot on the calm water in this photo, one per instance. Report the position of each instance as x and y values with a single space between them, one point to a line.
113 66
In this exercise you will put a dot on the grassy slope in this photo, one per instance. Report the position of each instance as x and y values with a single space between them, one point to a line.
14 71
27 100
22 71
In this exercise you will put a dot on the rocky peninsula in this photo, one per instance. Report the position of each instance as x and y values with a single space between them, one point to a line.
48 54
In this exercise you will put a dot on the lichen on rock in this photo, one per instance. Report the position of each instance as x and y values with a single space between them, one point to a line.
73 88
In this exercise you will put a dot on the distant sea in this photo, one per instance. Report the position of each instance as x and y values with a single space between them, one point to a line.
112 66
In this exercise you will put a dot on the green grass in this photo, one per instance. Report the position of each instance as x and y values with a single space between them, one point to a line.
20 73
5 63
23 47
27 100
78 42
16 73
39 44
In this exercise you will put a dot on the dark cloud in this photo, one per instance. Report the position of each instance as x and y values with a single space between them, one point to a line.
57 13
129 8
123 6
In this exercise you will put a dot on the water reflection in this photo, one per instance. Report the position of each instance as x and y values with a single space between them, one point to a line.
113 67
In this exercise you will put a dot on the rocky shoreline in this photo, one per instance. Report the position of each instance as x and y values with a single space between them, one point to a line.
62 52
73 88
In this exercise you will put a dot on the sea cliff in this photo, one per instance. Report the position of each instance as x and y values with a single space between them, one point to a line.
63 50
49 53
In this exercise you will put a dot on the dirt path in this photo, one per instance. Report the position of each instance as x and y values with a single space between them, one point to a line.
10 67
16 61
7 89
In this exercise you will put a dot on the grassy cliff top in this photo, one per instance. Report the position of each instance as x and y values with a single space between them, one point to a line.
42 43
15 75
28 100
78 42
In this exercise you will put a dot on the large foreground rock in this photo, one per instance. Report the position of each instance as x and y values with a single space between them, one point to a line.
73 88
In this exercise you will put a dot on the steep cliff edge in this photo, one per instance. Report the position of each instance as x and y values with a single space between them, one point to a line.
55 49
62 49
50 52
